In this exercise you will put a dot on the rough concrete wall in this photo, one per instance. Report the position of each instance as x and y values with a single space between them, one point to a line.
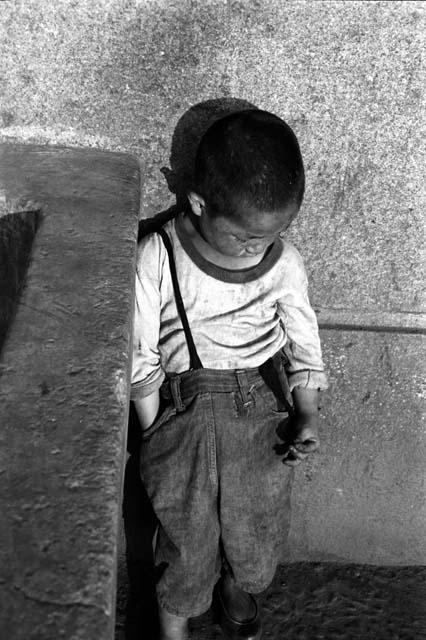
349 77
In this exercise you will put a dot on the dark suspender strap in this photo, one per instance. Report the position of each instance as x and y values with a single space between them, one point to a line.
194 360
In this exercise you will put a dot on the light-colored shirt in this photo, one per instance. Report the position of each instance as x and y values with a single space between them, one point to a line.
238 318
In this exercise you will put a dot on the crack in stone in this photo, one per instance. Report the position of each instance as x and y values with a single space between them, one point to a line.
61 603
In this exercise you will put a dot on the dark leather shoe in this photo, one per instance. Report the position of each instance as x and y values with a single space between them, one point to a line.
232 628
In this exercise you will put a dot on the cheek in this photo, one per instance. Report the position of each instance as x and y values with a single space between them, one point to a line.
231 247
224 242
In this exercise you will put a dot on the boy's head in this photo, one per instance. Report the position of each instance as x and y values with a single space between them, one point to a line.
248 175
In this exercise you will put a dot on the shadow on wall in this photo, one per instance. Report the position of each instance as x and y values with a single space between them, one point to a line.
186 137
17 233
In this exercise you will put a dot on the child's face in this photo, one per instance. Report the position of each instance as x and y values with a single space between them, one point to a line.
247 235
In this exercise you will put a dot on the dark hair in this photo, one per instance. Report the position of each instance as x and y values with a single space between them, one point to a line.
249 158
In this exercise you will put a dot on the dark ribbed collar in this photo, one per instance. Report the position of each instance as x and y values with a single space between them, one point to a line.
236 276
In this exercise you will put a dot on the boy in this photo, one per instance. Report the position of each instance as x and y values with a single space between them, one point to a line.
222 319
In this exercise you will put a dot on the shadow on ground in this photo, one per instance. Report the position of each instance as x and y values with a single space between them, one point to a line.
327 602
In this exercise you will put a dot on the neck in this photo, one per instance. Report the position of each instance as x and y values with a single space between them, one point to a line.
195 222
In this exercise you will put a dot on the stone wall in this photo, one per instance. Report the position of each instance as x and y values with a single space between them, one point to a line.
141 76
68 242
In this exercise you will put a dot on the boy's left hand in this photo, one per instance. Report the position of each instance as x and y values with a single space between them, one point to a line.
301 440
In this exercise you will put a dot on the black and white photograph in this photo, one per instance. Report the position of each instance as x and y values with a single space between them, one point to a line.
212 320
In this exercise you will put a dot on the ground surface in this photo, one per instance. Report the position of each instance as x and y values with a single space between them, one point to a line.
328 602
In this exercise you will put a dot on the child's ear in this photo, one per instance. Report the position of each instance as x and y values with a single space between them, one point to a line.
197 203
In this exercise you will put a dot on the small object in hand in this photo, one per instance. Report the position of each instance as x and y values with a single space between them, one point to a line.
293 455
291 451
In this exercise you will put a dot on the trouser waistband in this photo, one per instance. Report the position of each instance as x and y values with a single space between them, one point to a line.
183 386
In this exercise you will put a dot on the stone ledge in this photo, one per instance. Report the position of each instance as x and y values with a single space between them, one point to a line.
64 389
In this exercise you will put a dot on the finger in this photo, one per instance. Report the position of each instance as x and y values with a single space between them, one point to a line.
307 446
299 453
293 453
292 462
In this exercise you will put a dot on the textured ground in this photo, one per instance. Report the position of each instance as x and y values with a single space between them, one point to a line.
329 602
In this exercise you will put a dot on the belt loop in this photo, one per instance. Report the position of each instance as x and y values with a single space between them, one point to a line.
243 386
175 393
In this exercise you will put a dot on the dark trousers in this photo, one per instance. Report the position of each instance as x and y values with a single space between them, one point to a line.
212 469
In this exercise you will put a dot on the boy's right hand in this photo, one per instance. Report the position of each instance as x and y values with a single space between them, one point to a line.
147 409
301 440
300 434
